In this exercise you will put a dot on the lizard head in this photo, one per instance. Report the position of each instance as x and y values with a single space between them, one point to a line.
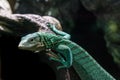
31 42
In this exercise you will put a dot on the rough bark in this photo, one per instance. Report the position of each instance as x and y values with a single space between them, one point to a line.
5 10
19 27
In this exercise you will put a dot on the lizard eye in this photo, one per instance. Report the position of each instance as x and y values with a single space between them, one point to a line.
34 39
31 40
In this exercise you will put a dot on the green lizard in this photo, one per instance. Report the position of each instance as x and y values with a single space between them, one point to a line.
69 53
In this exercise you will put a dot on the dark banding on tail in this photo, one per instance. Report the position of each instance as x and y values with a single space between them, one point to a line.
85 65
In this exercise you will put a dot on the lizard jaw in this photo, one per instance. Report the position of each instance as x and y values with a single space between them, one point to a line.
20 46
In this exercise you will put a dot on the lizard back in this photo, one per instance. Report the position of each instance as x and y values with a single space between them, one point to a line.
84 64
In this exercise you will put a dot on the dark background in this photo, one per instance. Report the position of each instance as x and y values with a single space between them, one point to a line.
76 20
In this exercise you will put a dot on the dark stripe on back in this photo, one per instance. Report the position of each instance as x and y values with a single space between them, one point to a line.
79 58
89 64
79 52
74 47
45 40
83 57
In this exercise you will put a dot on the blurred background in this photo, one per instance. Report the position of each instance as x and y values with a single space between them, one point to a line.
93 24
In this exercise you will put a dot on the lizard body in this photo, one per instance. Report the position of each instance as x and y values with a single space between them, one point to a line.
69 54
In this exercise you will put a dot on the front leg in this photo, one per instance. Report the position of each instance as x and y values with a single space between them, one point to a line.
66 54
55 57
58 32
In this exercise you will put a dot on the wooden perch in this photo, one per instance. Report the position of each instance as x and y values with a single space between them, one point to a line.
22 24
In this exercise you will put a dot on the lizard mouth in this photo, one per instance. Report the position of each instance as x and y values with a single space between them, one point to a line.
37 47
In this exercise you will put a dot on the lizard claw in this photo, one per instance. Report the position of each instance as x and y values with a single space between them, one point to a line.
60 67
57 59
49 25
65 65
62 61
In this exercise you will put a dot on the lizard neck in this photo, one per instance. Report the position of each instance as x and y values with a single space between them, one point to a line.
51 40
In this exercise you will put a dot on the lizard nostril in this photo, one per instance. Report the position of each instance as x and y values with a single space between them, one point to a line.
20 46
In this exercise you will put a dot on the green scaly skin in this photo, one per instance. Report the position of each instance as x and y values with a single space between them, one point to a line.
69 54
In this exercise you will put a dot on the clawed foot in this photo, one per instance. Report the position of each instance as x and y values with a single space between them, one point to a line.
60 60
51 26
63 66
